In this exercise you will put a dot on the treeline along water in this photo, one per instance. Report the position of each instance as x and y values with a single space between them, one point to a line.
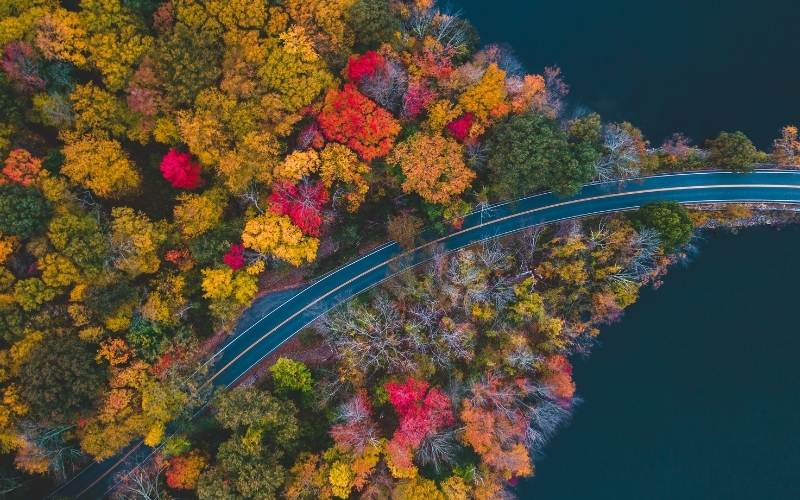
694 394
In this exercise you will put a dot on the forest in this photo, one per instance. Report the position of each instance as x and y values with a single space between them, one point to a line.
166 163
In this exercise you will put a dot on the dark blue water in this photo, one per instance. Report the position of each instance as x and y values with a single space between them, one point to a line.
696 66
694 394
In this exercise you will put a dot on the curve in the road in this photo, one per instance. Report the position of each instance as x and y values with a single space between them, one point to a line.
252 344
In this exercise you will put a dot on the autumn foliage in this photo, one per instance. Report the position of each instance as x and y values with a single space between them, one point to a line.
460 127
234 258
21 167
422 411
301 202
560 377
183 471
351 118
433 167
180 170
365 65
292 135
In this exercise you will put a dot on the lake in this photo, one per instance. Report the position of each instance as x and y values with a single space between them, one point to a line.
693 394
692 66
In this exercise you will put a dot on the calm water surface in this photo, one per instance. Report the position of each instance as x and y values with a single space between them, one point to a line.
694 394
696 66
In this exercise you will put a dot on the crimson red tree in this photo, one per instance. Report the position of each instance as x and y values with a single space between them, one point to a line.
459 128
422 413
362 66
301 202
180 170
234 258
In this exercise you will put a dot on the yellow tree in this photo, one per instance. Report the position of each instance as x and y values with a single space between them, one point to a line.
227 290
297 165
60 35
340 164
97 110
136 241
100 165
203 130
786 148
166 301
197 213
324 20
486 98
116 39
253 159
276 235
294 71
433 167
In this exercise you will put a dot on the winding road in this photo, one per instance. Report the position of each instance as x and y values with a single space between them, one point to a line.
266 332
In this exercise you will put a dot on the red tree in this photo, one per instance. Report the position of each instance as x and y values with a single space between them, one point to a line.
416 99
180 170
21 167
559 377
301 202
21 64
184 471
459 128
362 66
349 117
422 412
234 258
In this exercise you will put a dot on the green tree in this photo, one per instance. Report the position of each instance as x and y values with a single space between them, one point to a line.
290 376
733 151
60 379
671 221
31 293
80 238
531 152
23 210
188 61
372 22
244 408
248 464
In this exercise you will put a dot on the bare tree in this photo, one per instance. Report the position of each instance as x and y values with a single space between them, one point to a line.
369 336
546 416
438 450
141 480
622 154
49 444
387 86
557 91
450 31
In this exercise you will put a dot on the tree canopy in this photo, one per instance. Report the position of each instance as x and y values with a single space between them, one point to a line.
531 152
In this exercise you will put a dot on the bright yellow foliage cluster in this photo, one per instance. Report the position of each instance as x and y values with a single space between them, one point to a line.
136 241
486 99
197 213
297 165
276 235
60 35
116 39
167 300
340 163
100 165
228 290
